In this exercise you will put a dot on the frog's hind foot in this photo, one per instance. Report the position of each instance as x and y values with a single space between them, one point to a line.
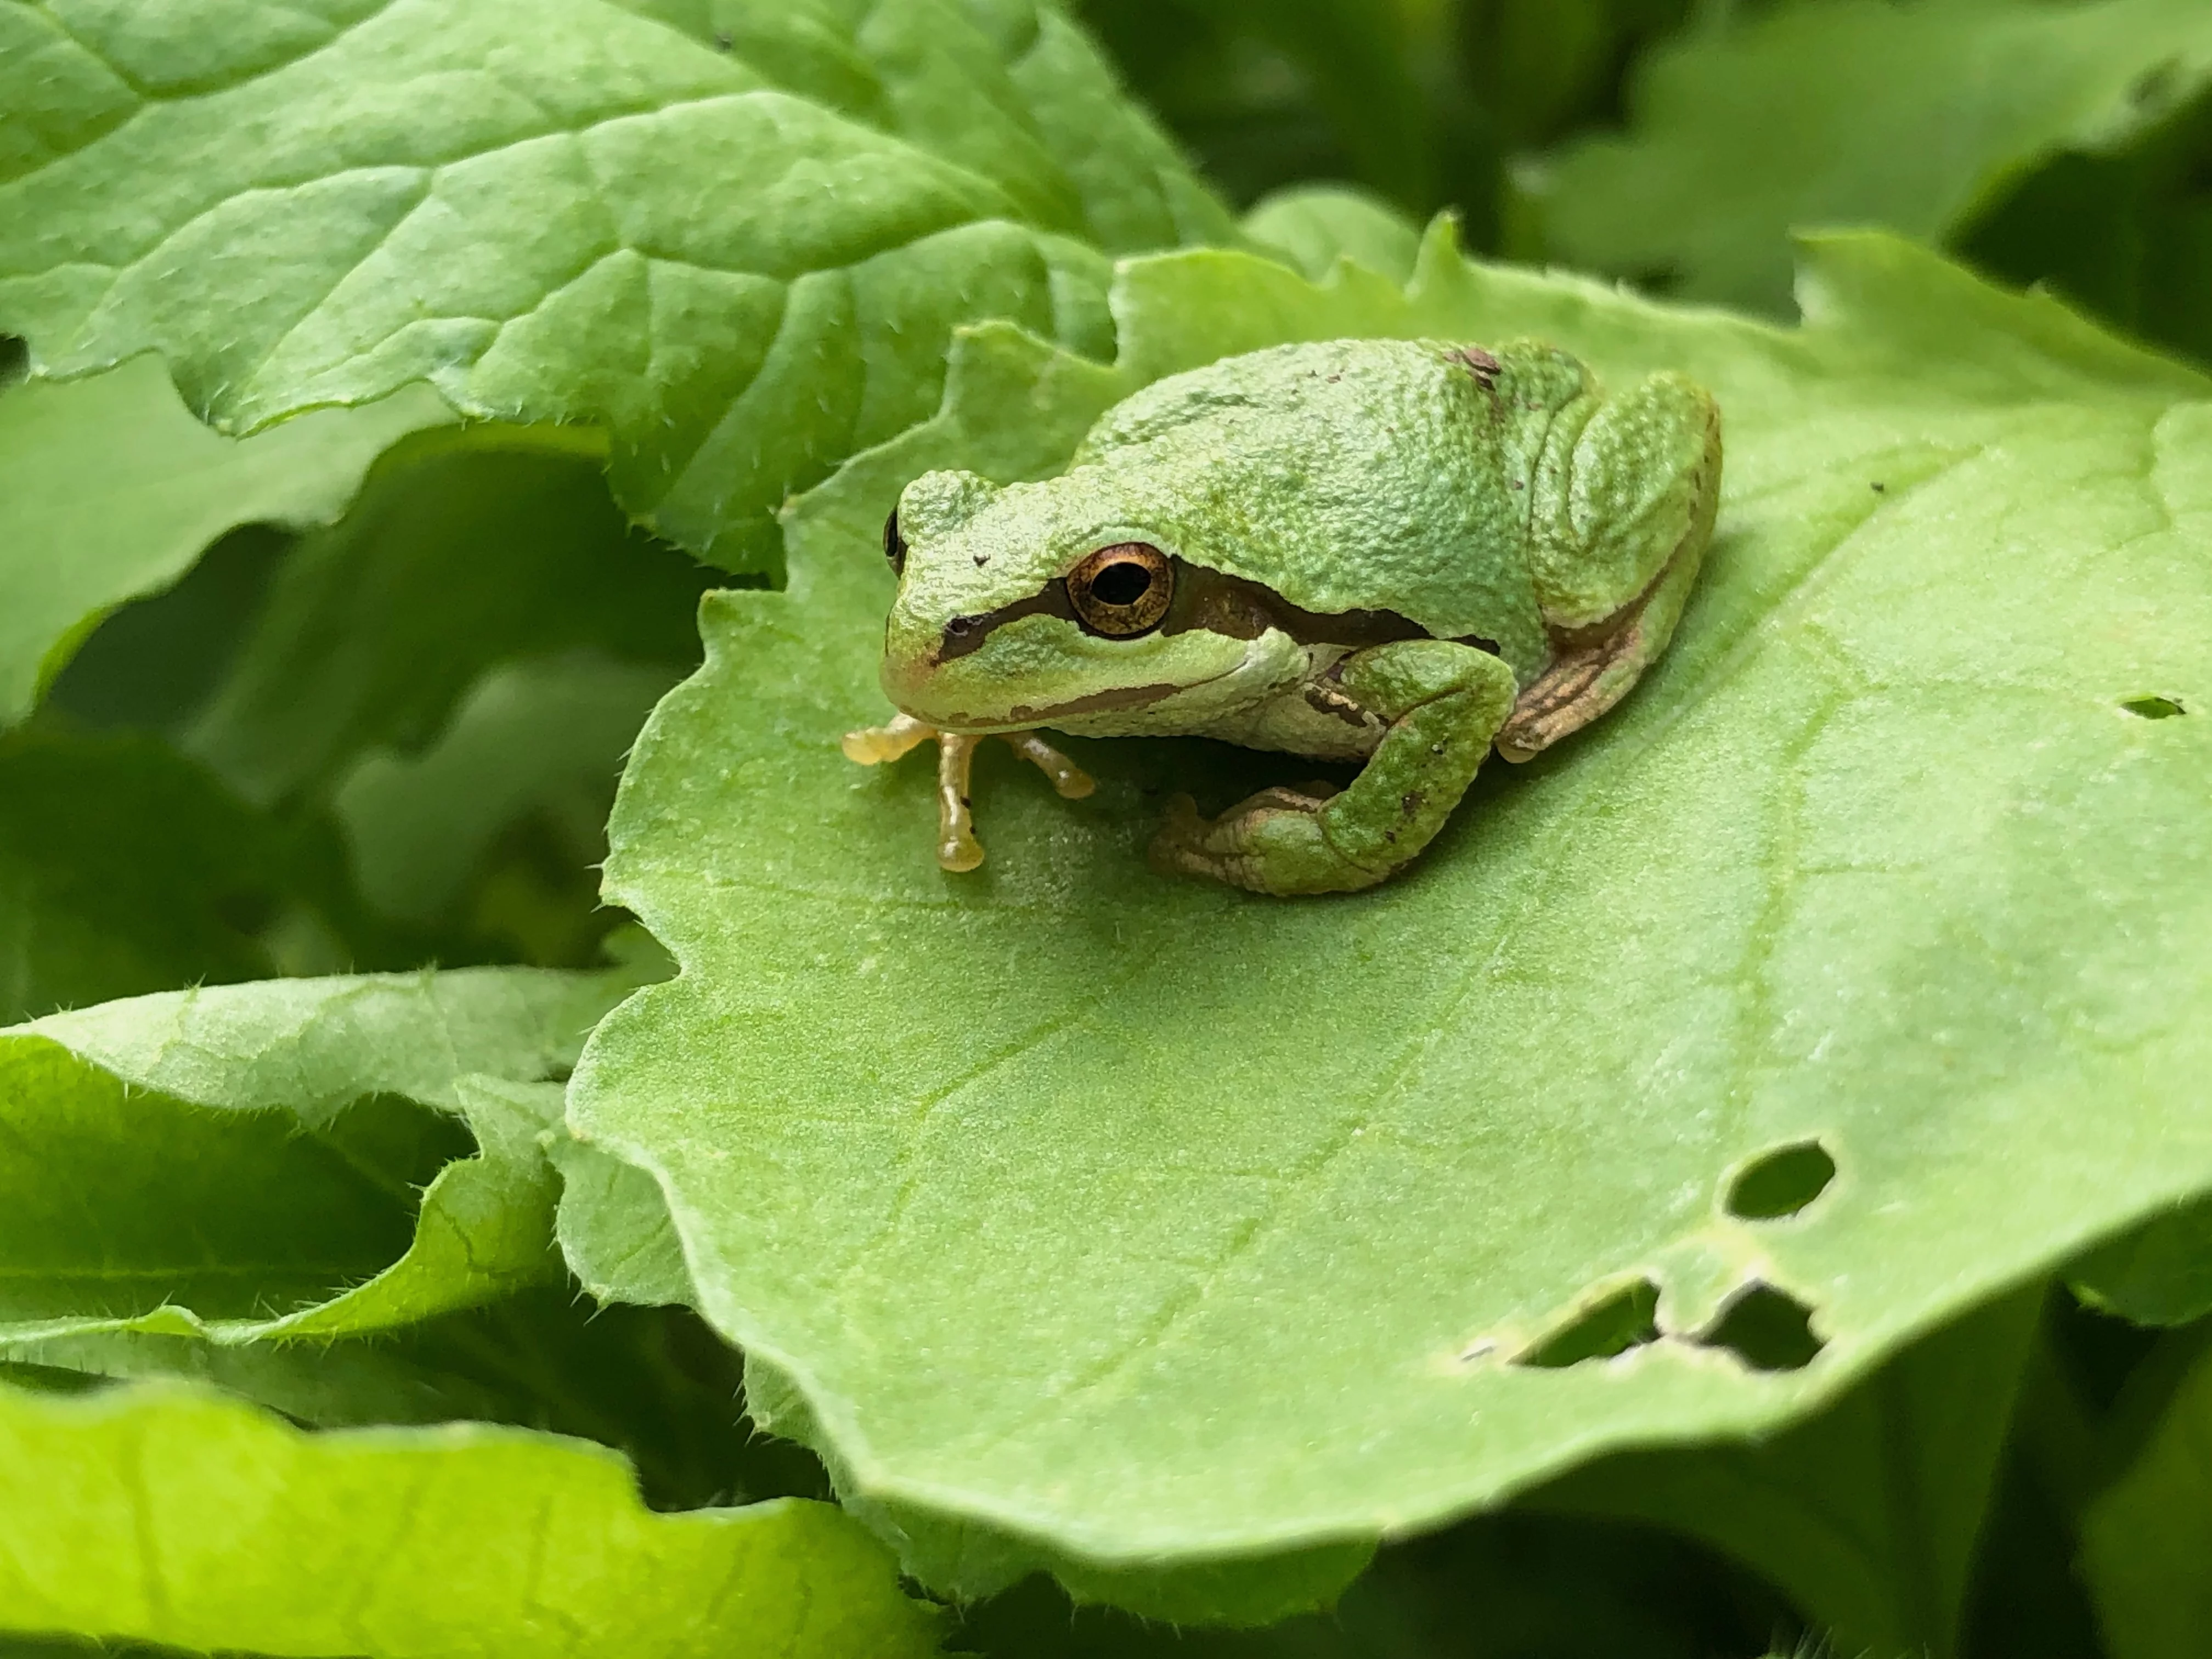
1594 668
1270 842
1580 685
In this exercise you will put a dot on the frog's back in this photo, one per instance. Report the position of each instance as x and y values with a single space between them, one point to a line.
1352 475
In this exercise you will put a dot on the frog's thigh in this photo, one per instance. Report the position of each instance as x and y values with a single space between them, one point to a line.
1643 473
1443 703
1615 552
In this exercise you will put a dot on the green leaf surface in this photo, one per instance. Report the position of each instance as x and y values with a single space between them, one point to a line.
1867 1514
175 1515
110 490
1137 1221
741 247
287 1158
467 550
1917 117
2145 1541
615 1229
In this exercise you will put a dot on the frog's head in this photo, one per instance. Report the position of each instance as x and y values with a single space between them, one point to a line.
1039 605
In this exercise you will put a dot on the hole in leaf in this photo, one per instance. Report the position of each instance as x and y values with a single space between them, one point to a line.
1782 1182
1620 1322
2154 708
1769 1330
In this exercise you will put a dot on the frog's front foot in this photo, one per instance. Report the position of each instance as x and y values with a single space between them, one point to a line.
958 848
1272 842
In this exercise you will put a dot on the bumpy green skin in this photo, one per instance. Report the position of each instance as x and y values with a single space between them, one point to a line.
1499 498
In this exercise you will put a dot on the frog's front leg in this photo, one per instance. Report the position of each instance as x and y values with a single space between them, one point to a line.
1442 704
957 849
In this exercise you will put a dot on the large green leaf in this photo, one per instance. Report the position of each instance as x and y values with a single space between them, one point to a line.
109 490
2146 1540
285 1158
175 1514
741 246
1125 1220
1923 117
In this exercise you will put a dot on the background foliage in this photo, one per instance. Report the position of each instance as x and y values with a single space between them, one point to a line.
1749 1188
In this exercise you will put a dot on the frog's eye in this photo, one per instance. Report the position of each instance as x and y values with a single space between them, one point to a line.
894 545
1123 591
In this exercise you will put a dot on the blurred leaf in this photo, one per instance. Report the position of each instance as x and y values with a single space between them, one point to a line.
1542 68
1052 1272
545 736
2159 1274
2127 233
286 1157
1315 226
1272 93
2146 1541
124 868
173 1514
745 261
465 552
150 664
1922 117
110 490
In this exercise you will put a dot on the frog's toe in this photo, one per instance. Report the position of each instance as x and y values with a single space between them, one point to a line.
1072 781
874 745
1270 843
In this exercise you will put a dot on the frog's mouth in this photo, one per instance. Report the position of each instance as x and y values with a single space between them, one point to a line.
1023 715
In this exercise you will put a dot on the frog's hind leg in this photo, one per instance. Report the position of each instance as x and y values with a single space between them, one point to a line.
1618 529
1441 701
1595 668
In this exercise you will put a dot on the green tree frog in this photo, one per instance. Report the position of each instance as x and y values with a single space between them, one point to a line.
1400 553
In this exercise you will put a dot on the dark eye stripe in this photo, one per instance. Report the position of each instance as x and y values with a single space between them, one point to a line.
1209 601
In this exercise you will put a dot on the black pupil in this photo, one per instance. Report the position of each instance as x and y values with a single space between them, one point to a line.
1124 582
894 543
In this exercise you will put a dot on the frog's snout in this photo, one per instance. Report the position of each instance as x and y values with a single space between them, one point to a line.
905 672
